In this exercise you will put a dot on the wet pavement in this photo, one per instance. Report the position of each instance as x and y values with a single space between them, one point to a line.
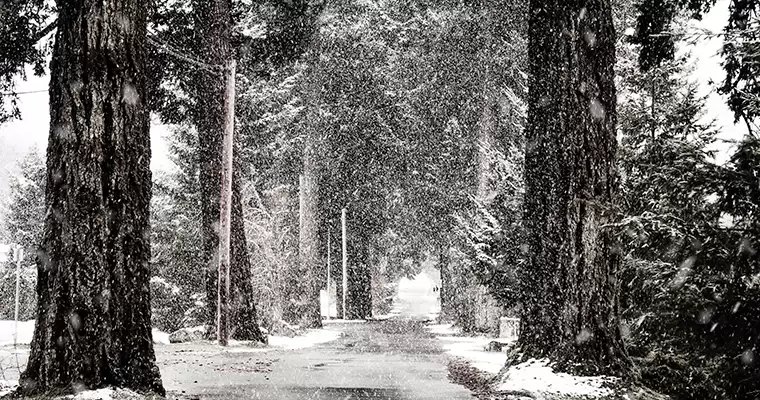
391 359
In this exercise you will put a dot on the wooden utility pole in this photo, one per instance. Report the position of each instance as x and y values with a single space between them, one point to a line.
345 260
19 257
225 205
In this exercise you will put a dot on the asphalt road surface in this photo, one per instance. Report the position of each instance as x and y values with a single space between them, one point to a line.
390 359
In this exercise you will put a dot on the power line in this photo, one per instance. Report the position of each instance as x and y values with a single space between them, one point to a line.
169 49
25 92
155 42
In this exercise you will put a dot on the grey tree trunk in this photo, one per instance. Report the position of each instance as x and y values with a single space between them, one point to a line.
93 317
213 21
446 289
571 310
308 249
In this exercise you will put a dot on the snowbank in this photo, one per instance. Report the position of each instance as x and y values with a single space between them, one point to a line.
160 337
106 394
25 332
7 387
537 377
470 348
443 329
99 394
473 350
312 338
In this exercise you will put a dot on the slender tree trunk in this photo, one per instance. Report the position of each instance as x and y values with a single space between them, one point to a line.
213 21
446 287
571 313
93 317
308 249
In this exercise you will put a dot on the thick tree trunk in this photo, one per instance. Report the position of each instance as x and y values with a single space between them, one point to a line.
571 309
244 321
213 24
93 317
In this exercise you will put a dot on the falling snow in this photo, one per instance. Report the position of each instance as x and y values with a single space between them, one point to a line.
429 200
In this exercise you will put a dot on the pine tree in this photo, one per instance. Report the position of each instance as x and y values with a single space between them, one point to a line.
22 25
571 313
93 317
214 28
26 206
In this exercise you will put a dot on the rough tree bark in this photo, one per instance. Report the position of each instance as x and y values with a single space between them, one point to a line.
93 317
571 311
213 22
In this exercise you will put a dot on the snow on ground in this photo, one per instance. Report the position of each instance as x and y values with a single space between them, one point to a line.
470 348
105 394
99 394
311 338
7 387
443 329
160 337
538 377
25 332
343 321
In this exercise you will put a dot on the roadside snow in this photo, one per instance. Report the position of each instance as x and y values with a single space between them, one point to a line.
7 386
473 350
160 337
312 338
538 377
343 321
443 329
470 348
25 332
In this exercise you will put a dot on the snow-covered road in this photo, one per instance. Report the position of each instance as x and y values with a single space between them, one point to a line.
392 358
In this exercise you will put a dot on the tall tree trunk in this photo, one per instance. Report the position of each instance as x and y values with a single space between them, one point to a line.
244 321
308 249
571 311
444 265
213 21
93 317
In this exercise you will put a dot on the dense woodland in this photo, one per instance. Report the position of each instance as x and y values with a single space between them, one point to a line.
552 156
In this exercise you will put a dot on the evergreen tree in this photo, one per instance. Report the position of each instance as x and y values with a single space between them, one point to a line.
178 289
93 316
571 312
25 211
22 24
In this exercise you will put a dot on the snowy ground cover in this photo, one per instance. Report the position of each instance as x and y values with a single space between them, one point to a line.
539 379
470 348
25 332
6 386
99 394
311 338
